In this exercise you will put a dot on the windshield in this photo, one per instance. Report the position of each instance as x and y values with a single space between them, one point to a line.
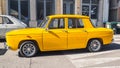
43 23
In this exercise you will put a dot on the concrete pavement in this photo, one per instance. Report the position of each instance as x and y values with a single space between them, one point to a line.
10 59
103 59
45 60
108 58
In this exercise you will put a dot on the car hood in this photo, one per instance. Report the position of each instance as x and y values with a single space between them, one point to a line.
25 31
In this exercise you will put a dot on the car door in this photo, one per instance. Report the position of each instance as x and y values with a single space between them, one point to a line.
77 34
55 37
2 28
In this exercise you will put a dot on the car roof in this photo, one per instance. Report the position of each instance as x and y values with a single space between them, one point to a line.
68 15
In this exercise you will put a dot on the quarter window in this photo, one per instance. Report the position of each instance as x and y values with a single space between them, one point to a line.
7 21
57 24
75 23
4 20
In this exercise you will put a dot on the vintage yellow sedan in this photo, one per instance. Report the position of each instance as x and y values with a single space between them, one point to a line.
59 32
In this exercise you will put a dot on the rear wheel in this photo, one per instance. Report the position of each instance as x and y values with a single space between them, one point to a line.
94 45
28 49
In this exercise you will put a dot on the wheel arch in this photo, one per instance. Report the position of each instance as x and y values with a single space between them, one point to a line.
100 39
34 41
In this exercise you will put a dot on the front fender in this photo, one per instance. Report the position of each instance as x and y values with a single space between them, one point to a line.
13 42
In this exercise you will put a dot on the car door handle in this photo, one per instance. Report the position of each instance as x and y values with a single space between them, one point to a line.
65 31
84 31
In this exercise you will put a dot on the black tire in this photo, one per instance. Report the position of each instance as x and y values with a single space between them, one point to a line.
94 45
20 54
28 49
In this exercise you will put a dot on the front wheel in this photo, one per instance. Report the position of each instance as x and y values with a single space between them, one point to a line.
28 49
94 45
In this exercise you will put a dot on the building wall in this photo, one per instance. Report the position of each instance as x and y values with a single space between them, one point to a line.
78 7
2 6
58 7
102 10
106 10
0 10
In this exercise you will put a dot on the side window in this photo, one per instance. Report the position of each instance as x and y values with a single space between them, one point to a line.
57 23
75 23
7 21
1 20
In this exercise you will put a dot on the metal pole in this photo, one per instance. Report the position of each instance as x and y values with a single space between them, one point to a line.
19 9
45 8
7 7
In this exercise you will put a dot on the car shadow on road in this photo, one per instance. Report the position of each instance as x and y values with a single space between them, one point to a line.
50 53
112 46
2 51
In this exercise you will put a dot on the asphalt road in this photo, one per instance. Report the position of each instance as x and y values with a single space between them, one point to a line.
109 57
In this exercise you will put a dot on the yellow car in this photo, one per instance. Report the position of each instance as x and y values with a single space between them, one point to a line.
59 32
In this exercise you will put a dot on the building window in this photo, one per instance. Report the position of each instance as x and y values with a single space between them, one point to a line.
45 8
90 8
19 9
13 6
113 15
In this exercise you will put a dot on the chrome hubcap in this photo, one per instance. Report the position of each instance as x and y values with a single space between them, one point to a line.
95 45
28 49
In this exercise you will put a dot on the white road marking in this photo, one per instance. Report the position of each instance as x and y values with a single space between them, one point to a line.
82 55
91 62
88 60
107 67
80 60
